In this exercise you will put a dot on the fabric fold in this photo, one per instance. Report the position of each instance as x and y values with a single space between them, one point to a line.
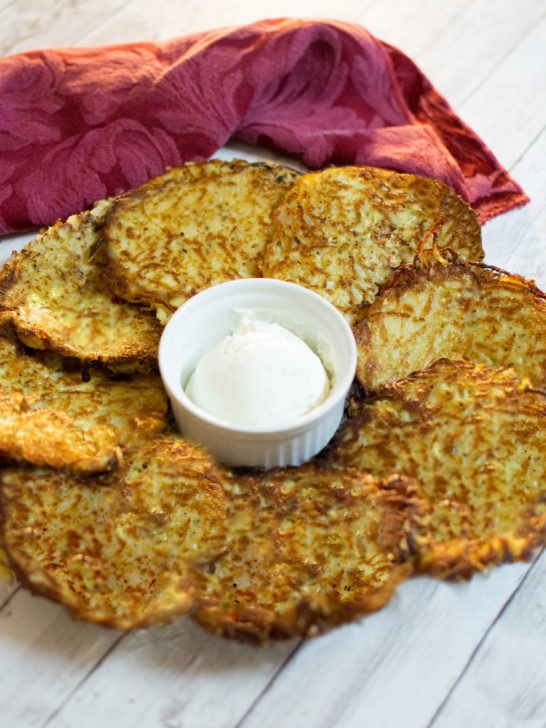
79 124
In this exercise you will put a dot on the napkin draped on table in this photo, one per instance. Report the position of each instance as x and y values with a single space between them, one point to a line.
80 124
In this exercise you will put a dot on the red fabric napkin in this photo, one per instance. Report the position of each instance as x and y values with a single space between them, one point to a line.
79 124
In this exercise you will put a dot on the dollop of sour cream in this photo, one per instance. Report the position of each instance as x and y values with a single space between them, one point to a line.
262 376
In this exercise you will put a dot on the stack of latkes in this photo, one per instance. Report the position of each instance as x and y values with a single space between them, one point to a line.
439 466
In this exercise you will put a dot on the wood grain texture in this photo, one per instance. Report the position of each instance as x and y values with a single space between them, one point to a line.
511 125
439 655
28 24
141 19
46 649
493 693
517 241
479 37
176 675
395 667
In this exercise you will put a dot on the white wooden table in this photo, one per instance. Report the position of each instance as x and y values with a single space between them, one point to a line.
439 655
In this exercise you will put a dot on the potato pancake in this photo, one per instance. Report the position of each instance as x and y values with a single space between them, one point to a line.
130 407
441 472
194 226
307 548
455 311
343 231
44 436
116 549
54 291
474 441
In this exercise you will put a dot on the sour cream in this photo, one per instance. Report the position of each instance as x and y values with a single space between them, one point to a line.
261 376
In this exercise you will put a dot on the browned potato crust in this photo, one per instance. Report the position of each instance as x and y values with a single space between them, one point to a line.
343 231
117 549
442 472
109 410
49 437
474 441
456 311
292 552
306 549
191 228
55 294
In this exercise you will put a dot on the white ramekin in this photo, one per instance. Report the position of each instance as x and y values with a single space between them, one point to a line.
207 318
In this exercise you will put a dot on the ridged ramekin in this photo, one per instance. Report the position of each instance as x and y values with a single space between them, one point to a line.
204 320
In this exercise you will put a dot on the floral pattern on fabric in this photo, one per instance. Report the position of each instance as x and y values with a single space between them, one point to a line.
78 124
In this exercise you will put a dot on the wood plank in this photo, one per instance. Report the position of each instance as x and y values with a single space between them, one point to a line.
396 666
30 24
172 676
418 26
504 686
479 71
144 20
516 241
508 111
476 44
45 655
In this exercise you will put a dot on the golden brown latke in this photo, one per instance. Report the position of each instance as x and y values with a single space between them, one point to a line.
192 227
54 292
343 231
306 549
49 437
293 551
129 407
474 441
455 311
116 549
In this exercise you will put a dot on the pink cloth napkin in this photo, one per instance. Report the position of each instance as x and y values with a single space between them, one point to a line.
79 124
